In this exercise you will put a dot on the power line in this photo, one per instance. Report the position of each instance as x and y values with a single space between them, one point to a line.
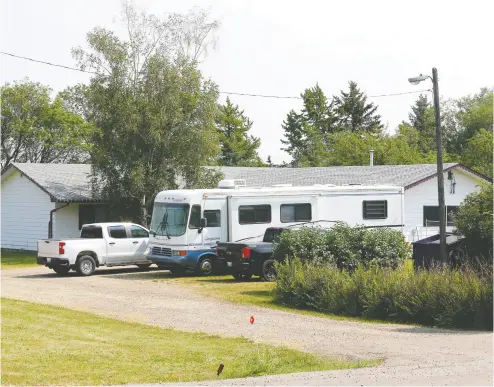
221 92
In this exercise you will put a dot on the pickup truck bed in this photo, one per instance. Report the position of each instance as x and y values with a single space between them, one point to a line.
248 259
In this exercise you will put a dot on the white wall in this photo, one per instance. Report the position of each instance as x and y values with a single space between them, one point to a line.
425 194
25 212
66 222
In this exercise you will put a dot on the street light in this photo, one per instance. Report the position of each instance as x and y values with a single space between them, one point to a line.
439 149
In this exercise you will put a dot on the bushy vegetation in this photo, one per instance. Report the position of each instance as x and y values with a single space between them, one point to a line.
474 221
439 297
344 246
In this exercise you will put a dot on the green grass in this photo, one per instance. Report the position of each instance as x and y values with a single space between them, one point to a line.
253 292
48 345
16 259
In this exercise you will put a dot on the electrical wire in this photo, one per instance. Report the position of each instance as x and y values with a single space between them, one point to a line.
221 92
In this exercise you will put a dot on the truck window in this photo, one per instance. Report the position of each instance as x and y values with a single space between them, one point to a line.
272 235
138 232
92 232
117 232
213 217
254 214
195 216
375 209
295 212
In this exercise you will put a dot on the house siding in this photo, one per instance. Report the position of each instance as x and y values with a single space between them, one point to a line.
25 212
66 222
425 194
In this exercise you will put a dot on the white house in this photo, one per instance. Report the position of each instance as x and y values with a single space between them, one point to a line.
30 192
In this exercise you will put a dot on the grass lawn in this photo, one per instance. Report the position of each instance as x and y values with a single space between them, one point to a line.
253 292
17 259
48 345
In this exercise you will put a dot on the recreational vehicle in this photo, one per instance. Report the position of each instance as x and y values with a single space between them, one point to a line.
187 224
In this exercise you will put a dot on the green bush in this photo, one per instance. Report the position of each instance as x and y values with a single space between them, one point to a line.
344 246
440 297
474 221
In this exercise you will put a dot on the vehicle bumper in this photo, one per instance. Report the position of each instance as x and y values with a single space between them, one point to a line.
237 266
173 261
52 262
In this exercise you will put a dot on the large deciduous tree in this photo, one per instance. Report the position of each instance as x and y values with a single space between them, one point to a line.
37 129
155 110
238 148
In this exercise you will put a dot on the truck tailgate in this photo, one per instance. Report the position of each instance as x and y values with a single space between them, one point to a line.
230 252
48 248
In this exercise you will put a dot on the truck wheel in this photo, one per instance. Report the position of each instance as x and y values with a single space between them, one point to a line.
62 270
268 271
85 265
205 266
242 276
143 266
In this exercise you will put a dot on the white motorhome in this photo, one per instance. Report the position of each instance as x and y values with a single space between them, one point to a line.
187 224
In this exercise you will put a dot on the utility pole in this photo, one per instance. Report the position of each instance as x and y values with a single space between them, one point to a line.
440 174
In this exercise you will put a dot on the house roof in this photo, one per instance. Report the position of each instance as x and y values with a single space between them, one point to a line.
64 183
71 182
405 176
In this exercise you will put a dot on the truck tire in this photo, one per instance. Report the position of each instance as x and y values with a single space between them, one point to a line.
143 266
268 271
205 266
85 265
62 270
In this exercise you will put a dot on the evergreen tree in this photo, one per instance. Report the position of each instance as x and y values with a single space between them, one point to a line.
419 116
355 113
237 147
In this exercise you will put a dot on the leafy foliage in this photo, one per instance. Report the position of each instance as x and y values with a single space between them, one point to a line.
237 147
441 297
154 108
37 129
474 220
343 246
478 152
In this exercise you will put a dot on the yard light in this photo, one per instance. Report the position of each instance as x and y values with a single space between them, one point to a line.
439 152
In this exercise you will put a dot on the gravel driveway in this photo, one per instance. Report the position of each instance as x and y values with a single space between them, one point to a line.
413 356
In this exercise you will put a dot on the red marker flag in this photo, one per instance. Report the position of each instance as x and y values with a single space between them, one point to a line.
252 319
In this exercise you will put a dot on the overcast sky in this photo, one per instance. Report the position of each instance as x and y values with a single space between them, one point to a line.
281 48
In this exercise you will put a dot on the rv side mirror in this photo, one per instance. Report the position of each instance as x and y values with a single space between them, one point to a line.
204 222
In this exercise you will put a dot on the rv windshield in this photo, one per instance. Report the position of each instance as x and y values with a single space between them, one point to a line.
169 219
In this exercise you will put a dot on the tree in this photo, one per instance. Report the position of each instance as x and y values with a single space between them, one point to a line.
354 113
38 130
422 118
154 108
237 147
478 152
474 221
305 131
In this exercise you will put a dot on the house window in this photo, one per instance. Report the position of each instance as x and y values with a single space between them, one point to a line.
254 214
295 213
87 214
213 217
375 209
431 215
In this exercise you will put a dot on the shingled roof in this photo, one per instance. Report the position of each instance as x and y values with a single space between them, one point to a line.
71 182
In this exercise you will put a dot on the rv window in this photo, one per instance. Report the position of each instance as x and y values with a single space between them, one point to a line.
375 209
213 217
295 213
254 214
195 217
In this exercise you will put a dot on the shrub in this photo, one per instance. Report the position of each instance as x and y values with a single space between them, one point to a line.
344 246
440 297
474 221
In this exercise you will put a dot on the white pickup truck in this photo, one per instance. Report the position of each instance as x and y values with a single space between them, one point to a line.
100 244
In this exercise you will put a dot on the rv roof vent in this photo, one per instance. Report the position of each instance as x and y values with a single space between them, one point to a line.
282 185
232 183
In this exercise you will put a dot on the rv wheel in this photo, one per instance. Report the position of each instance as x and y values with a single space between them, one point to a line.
205 266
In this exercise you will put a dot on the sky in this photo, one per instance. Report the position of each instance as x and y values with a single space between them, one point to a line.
281 48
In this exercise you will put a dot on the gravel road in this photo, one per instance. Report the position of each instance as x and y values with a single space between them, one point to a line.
413 356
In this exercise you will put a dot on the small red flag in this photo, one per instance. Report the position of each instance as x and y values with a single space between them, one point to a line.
252 319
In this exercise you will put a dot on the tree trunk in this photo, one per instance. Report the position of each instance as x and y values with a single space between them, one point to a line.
143 218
